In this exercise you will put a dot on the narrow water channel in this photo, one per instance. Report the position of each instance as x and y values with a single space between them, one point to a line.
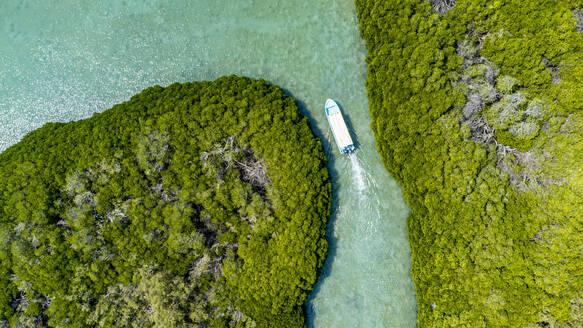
64 60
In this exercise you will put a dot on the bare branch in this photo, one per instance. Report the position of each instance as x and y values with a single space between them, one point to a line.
442 6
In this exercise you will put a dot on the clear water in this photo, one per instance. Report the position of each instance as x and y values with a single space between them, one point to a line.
62 60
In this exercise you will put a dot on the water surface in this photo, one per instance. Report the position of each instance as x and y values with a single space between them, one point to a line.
63 60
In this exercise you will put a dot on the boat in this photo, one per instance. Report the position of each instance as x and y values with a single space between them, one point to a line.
338 126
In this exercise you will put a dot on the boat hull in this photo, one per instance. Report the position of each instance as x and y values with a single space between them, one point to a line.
338 127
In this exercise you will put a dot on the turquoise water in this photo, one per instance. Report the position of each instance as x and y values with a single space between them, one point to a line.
64 60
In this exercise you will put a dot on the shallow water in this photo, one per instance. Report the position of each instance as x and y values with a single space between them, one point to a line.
62 61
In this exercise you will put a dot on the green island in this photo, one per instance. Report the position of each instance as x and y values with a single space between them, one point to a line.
477 110
200 204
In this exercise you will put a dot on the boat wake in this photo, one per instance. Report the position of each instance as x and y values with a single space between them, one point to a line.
368 253
358 173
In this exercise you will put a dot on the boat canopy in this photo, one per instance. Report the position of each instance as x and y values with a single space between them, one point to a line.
338 127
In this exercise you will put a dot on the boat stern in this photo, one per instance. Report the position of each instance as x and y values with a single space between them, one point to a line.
347 150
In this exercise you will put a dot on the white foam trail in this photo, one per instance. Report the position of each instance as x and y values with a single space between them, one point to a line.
357 173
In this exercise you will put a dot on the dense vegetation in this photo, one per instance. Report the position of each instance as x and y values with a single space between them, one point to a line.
196 205
477 109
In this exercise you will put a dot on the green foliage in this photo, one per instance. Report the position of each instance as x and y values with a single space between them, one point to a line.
508 111
506 84
478 114
196 205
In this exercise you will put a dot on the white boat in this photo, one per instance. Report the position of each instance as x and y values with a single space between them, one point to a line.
338 126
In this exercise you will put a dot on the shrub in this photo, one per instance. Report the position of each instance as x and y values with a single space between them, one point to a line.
507 111
524 130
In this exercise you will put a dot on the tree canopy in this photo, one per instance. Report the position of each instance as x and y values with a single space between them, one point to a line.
200 204
477 110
